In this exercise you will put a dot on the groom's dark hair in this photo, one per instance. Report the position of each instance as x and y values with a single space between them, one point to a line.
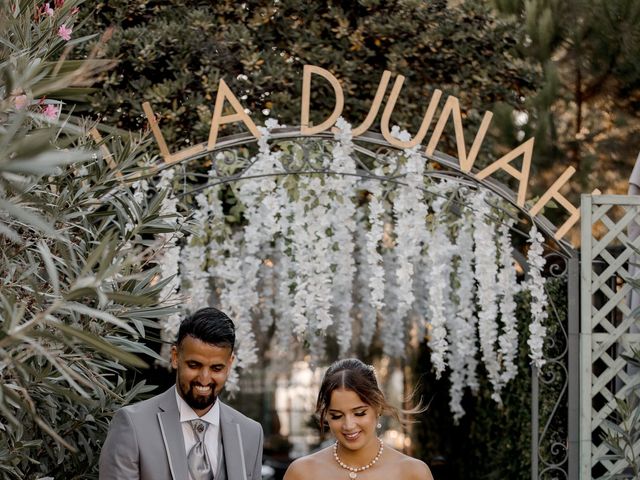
209 325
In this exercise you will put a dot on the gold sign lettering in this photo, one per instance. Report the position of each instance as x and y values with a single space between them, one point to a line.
451 109
305 129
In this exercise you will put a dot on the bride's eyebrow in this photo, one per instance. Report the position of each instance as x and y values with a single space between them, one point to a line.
356 408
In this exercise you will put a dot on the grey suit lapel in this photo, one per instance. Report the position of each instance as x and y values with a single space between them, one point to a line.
233 445
169 418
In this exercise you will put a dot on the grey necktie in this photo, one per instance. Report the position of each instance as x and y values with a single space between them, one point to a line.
198 462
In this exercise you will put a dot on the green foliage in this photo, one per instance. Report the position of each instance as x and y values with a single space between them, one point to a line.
79 285
494 441
259 48
585 112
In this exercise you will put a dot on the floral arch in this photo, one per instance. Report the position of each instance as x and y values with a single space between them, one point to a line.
351 238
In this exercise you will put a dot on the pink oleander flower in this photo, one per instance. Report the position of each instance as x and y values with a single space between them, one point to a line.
75 10
64 32
20 101
51 112
48 10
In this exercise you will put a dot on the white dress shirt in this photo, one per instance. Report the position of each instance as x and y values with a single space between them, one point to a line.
211 436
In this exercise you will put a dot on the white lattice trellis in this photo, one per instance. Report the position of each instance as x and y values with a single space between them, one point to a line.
608 329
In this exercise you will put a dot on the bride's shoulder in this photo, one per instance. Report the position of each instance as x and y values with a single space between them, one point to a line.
411 468
302 467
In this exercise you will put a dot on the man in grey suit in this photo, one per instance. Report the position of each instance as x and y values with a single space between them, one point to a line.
186 433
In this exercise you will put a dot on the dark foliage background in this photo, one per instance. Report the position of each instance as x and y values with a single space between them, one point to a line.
173 55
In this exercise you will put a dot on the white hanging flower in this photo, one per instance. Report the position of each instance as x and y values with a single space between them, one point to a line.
410 211
507 279
374 237
306 223
440 252
239 262
486 276
539 301
240 268
462 328
343 214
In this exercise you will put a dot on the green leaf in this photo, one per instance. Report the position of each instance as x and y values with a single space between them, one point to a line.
52 272
102 346
31 219
70 307
129 299
46 163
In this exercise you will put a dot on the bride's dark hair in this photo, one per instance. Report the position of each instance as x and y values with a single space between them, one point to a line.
352 374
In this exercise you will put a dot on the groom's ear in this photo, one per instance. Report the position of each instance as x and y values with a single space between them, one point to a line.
174 357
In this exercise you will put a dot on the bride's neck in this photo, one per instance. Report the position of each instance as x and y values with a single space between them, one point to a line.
360 457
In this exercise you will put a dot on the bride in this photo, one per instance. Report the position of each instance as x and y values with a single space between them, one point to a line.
350 403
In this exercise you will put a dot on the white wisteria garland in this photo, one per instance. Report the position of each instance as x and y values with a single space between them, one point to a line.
537 330
343 213
320 248
509 287
440 253
486 273
462 357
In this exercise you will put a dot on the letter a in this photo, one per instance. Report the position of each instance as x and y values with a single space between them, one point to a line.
225 93
526 150
306 99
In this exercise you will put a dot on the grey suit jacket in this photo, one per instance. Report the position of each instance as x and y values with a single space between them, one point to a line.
145 442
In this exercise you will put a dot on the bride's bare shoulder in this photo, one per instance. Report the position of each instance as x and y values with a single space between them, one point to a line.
412 468
302 467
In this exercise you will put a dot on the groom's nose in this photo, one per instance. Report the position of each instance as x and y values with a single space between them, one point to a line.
204 377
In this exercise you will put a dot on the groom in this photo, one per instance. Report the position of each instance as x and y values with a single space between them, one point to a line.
186 433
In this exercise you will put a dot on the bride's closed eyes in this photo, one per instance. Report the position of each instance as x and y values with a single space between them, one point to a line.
337 416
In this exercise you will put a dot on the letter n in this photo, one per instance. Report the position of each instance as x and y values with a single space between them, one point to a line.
452 107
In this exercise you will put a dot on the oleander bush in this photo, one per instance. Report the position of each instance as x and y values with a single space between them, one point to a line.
78 284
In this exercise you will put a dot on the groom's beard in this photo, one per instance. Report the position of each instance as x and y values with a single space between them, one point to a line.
199 402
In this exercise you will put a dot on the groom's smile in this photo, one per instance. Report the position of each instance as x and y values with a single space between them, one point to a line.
202 390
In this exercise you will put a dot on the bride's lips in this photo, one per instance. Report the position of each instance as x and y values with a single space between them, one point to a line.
351 436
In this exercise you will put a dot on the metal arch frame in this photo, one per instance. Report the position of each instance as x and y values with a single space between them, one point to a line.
567 453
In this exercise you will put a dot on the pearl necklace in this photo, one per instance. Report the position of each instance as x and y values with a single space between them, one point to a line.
353 471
